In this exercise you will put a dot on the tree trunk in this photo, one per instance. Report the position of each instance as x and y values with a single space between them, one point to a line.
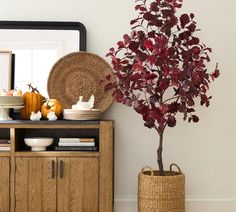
159 155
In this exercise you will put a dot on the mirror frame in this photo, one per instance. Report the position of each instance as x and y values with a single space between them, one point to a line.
49 25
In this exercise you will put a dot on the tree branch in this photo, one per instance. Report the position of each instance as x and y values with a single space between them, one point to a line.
145 95
176 97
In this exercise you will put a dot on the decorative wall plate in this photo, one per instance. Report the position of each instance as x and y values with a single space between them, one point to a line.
80 74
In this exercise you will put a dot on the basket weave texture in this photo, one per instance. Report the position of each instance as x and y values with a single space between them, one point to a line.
80 74
161 193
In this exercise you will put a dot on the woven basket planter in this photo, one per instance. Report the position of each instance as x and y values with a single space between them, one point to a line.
161 193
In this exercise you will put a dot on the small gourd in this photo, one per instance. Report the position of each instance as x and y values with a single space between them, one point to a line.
33 101
51 105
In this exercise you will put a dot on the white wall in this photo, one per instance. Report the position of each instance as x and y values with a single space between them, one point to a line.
205 151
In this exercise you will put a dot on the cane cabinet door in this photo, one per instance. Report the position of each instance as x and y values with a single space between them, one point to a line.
77 184
4 184
35 184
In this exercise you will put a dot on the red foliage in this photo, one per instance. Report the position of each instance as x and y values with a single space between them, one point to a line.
161 54
161 67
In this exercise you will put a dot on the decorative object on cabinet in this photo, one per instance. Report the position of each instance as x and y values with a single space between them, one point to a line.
81 105
52 116
161 70
70 114
38 144
57 180
80 74
5 145
35 116
11 101
7 102
51 105
33 102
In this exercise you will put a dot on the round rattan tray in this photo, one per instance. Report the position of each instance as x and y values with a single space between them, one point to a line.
80 74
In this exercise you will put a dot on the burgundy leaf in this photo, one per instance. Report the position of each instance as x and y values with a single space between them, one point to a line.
152 59
194 41
137 7
120 44
171 121
124 62
216 73
153 114
150 124
164 108
185 116
126 38
191 15
119 96
164 84
167 13
143 9
152 34
137 66
192 27
184 20
174 107
148 44
195 50
141 35
190 110
133 46
195 118
149 17
133 21
154 6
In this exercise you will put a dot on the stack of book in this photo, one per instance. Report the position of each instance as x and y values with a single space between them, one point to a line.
76 144
4 145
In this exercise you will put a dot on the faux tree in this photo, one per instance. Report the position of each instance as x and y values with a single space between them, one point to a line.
160 67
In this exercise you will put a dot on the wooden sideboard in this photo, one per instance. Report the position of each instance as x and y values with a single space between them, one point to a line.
60 181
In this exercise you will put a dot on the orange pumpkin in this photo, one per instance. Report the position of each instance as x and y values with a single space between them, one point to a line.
51 105
33 101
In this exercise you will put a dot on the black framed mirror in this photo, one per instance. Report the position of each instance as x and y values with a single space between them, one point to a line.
37 45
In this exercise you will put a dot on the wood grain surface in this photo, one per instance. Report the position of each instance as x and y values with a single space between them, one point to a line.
106 167
35 189
5 184
78 186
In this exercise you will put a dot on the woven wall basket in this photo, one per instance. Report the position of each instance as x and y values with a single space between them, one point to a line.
80 74
161 193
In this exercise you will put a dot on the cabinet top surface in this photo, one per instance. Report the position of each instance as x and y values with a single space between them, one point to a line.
50 124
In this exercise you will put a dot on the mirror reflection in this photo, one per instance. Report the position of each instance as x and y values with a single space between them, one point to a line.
36 51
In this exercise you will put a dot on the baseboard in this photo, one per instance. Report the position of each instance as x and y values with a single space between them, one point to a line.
193 204
125 204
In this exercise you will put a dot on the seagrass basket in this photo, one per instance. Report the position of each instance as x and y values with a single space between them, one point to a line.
80 74
161 193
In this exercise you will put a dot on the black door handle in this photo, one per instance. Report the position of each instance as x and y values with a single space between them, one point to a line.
61 168
53 168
